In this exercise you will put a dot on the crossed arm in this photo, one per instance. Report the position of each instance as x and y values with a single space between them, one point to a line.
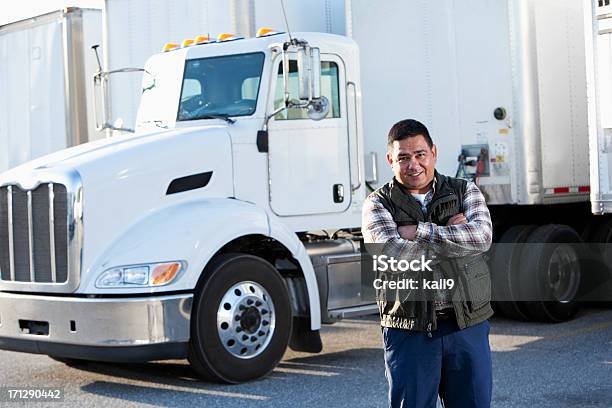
465 234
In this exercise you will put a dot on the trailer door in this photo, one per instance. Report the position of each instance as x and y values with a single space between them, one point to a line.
32 107
598 37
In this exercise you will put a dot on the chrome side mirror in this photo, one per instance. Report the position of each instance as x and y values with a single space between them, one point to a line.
316 72
318 108
304 73
101 92
309 73
309 81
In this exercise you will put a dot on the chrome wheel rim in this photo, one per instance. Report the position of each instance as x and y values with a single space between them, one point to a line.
246 320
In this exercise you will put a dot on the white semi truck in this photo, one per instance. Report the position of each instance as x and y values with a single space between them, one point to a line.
227 226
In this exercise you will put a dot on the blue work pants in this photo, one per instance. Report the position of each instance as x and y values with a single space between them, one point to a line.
454 363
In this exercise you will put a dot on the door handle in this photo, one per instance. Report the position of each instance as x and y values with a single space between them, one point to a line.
338 193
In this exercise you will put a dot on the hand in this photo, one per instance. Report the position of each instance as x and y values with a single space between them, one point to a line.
457 219
407 232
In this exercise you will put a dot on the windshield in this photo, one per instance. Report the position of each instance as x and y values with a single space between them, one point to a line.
220 86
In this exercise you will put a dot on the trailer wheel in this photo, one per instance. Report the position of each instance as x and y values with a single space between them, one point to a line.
550 273
241 320
504 267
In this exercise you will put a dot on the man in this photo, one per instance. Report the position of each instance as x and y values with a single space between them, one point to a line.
436 346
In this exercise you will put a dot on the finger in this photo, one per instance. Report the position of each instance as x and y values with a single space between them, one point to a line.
456 220
461 220
453 220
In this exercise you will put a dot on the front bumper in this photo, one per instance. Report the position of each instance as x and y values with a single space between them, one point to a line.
104 329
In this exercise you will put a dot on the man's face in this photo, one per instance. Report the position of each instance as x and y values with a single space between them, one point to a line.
413 163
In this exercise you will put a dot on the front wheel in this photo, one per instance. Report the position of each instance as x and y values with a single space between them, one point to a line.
241 320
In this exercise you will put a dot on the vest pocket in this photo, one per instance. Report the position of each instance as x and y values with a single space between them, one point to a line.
478 283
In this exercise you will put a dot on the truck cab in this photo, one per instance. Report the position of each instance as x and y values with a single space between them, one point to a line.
243 80
193 236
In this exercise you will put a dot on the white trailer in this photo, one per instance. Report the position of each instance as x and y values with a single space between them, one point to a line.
507 76
600 114
598 29
193 237
46 67
501 84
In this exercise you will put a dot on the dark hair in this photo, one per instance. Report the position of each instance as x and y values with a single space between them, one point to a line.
408 128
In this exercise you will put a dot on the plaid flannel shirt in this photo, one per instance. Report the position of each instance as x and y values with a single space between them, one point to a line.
432 240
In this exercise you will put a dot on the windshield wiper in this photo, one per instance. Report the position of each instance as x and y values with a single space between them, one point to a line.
222 117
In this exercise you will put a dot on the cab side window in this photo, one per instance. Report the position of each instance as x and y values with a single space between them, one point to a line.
330 88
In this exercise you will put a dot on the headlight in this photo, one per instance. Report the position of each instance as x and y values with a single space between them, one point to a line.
136 276
133 276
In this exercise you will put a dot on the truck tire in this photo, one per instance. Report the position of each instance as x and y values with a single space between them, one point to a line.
550 269
240 321
504 263
596 284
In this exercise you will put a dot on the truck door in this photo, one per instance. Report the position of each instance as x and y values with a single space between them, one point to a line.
309 160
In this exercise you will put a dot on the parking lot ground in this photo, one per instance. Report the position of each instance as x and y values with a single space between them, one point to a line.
535 365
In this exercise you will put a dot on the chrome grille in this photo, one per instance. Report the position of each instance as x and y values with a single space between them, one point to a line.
34 233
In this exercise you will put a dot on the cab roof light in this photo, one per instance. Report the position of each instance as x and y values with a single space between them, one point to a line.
202 39
227 37
266 31
170 47
187 43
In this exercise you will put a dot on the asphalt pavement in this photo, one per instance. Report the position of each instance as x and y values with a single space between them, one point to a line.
535 365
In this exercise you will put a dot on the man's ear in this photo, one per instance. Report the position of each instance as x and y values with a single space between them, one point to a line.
434 151
389 159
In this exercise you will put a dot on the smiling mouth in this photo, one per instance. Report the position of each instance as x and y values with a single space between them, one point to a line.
415 174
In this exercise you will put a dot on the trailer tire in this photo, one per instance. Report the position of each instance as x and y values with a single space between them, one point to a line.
240 321
596 284
504 263
550 272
